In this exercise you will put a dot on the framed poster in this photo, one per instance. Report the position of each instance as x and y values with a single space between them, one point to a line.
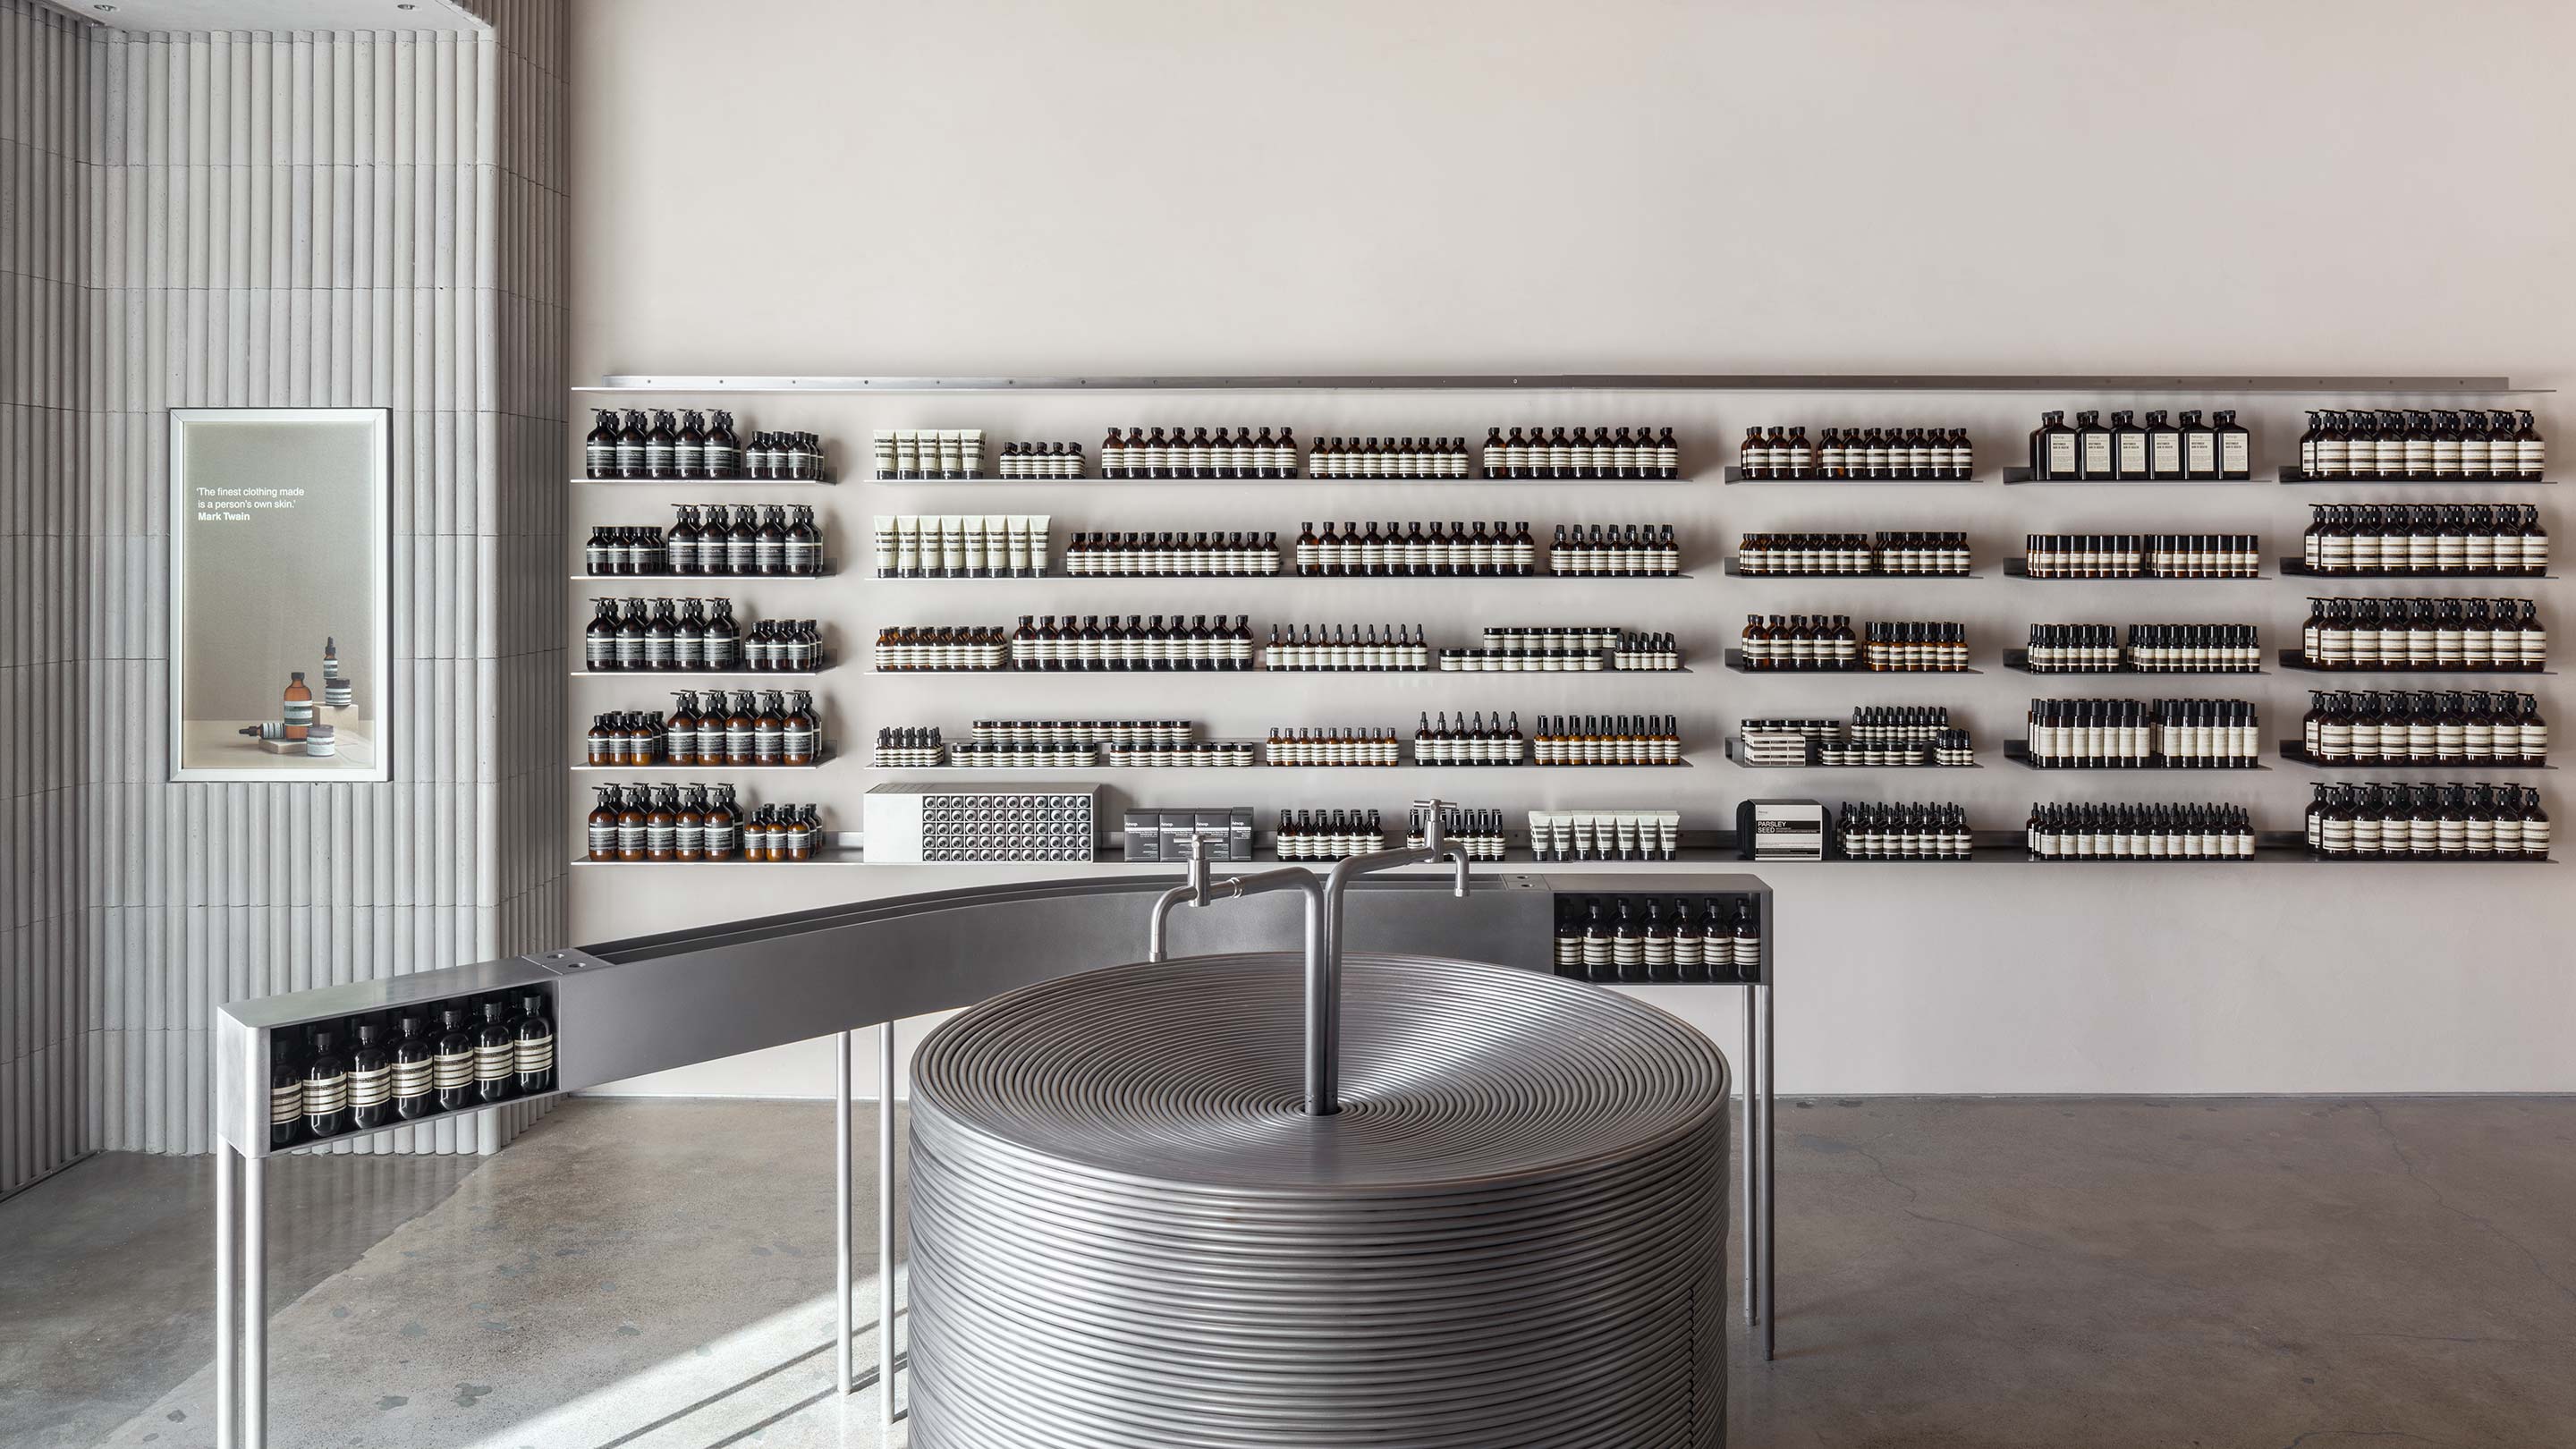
281 543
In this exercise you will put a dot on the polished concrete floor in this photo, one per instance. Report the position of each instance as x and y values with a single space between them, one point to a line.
2270 1274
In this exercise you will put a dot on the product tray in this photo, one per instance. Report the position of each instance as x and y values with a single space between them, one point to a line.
2292 659
2297 754
1735 662
1735 744
2297 568
2019 568
2018 660
2018 751
1733 572
1736 475
2293 475
2026 475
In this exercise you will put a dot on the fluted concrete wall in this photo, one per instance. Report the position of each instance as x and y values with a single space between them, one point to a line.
369 220
43 1013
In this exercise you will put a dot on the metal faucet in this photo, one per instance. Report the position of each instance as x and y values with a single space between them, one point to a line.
1323 933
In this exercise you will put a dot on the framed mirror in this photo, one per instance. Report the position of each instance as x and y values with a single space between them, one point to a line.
281 543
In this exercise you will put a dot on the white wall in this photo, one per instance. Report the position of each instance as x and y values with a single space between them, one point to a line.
981 187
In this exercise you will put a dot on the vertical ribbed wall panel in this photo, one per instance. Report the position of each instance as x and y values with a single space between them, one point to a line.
368 220
45 1017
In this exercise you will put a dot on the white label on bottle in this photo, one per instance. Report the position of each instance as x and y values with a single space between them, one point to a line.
2097 453
2061 453
453 1070
2133 455
2200 450
2231 454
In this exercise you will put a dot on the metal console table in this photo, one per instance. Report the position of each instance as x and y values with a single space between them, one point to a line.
652 1003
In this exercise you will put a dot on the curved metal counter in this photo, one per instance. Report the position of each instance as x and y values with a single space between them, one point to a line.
652 1003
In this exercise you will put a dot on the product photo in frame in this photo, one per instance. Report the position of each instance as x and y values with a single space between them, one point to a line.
280 615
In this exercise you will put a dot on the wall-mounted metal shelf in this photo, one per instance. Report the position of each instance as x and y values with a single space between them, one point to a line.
821 758
2292 659
2018 661
2296 753
716 482
1734 572
688 674
1285 575
1736 476
2018 751
2019 568
1735 662
987 480
700 578
2293 475
2019 476
1303 673
2294 567
1734 755
2310 384
1237 771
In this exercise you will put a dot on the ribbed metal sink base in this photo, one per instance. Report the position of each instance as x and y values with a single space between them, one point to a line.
1125 1232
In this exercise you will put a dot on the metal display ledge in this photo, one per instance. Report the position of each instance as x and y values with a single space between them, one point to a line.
1735 753
654 1003
1231 771
2293 475
2018 660
715 482
2297 754
2293 659
1472 481
1433 672
2295 567
1735 572
2031 476
1909 480
1735 662
2018 751
2019 568
1287 575
1577 382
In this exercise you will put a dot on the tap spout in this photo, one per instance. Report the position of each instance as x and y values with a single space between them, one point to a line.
1324 968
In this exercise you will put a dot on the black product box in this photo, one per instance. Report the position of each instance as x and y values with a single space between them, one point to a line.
1780 830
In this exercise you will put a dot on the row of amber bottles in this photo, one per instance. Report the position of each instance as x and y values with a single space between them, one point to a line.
1184 453
1566 739
768 729
2420 445
372 1072
2418 539
1601 453
2128 451
1407 551
2432 821
685 447
1928 455
695 823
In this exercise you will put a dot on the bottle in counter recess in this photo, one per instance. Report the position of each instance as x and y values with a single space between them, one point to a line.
1544 453
1349 649
1389 459
534 1054
2502 822
326 1087
2362 727
285 1092
2112 734
2420 446
1358 745
451 1063
1185 453
1799 641
1628 551
495 1054
2425 539
414 1084
2151 649
1328 834
1612 740
1138 644
1171 555
1464 743
1415 550
1478 833
1871 831
2503 635
2139 832
371 1080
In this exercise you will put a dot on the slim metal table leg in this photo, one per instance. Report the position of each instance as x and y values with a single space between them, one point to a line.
254 1296
841 1200
227 1311
1752 1226
1770 1052
885 1220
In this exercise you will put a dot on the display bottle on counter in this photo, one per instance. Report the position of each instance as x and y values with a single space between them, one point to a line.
326 1088
496 1049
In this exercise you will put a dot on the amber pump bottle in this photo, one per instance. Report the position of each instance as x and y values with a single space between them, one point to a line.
299 706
